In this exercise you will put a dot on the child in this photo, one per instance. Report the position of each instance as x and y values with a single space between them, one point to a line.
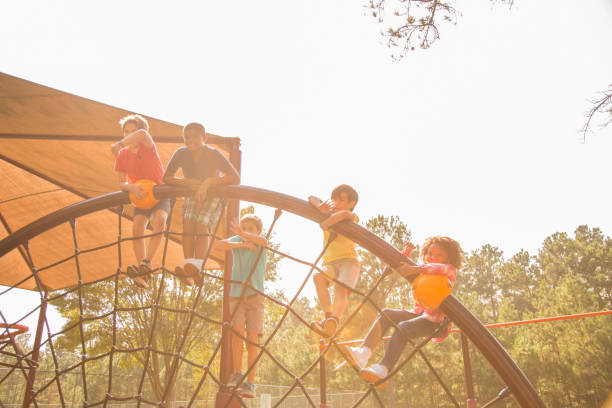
442 255
245 247
201 167
137 159
339 260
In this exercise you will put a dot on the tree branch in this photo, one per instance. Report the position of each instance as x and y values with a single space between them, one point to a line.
600 105
413 22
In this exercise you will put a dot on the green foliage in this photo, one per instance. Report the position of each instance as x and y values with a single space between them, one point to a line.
567 361
137 321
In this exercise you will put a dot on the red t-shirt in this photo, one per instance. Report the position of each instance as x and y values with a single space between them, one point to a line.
145 164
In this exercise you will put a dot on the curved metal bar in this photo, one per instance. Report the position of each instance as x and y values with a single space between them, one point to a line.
490 348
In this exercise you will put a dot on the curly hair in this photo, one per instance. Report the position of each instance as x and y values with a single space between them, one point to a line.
139 121
452 248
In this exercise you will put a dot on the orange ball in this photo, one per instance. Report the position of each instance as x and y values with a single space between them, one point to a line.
430 290
149 201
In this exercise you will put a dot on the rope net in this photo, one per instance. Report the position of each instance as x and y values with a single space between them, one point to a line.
145 347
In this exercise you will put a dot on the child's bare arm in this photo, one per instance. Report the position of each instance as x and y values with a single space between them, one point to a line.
170 178
254 238
336 218
139 136
408 249
124 185
227 245
227 178
432 269
406 269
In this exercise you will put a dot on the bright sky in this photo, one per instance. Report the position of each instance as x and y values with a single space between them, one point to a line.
476 138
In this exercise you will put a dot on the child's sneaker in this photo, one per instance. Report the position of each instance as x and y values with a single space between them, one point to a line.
247 390
234 380
134 273
146 270
326 327
179 272
375 373
192 270
356 356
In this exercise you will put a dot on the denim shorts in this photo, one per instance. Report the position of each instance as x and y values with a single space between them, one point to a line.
164 204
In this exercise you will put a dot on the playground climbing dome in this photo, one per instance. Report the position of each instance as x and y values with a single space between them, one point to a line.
160 330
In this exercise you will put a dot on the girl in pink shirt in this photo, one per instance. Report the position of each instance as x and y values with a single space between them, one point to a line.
441 256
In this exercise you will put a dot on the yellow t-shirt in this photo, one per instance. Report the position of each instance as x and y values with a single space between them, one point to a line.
340 248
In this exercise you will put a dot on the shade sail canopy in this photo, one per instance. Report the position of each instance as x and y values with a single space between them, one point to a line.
54 152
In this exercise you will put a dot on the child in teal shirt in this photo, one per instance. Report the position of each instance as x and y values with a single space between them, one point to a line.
246 246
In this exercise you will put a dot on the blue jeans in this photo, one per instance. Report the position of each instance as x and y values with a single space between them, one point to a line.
410 326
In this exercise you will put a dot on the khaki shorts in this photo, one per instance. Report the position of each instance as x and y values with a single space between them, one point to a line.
249 314
344 270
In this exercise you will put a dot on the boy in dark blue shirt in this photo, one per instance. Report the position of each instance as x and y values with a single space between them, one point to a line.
202 167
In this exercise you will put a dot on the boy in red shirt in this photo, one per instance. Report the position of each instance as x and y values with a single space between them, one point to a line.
137 159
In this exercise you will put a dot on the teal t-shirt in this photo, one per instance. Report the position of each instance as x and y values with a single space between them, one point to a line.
244 259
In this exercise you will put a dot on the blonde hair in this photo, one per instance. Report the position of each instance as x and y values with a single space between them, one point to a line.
139 121
452 248
255 220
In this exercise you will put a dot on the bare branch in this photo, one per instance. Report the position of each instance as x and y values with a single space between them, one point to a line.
414 23
604 104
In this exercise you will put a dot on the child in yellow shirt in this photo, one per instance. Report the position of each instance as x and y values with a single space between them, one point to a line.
339 260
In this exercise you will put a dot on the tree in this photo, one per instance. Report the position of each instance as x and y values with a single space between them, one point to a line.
480 279
135 325
412 24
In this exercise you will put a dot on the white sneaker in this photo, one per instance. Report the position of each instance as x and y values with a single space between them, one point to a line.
357 356
192 268
375 373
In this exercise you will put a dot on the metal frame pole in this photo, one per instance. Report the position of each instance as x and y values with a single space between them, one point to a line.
322 376
226 363
472 402
27 398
